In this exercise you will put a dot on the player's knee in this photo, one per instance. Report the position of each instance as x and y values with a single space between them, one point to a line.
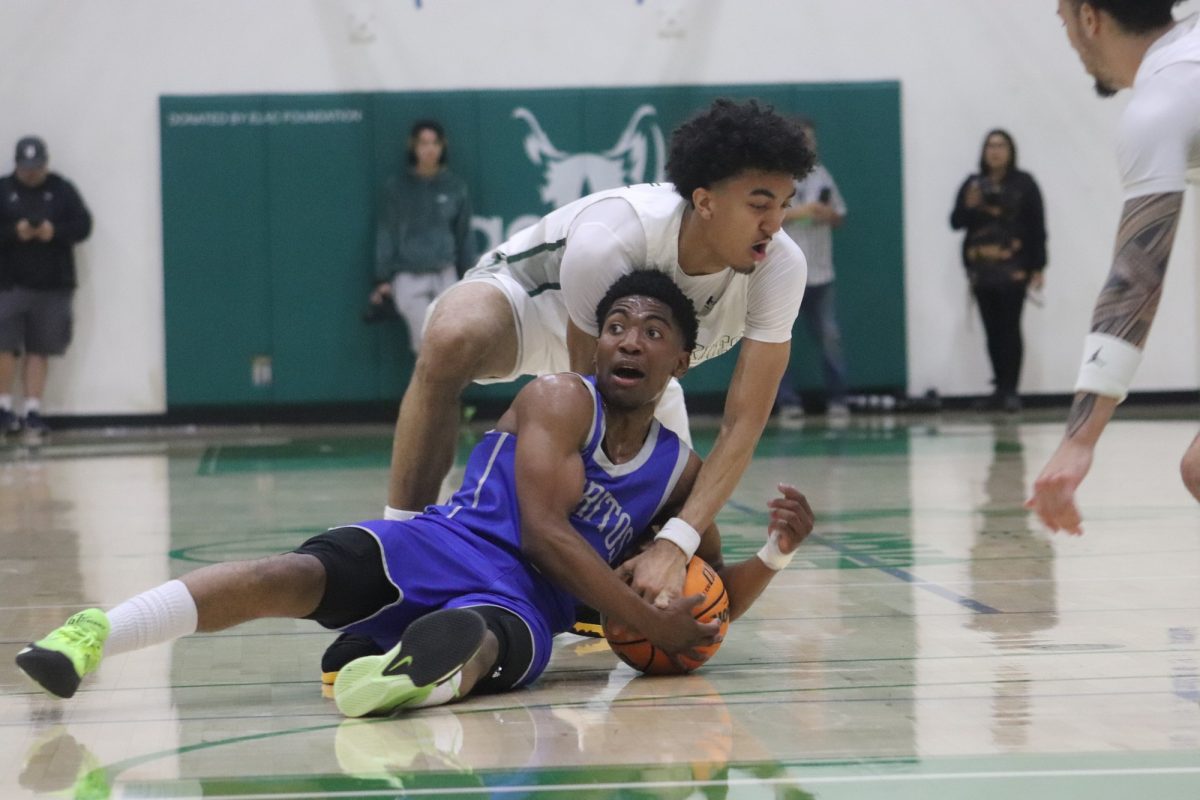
450 355
512 662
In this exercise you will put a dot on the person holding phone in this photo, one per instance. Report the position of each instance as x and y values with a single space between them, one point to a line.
42 218
1004 253
816 211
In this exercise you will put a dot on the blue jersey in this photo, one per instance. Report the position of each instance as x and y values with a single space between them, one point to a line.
468 551
619 500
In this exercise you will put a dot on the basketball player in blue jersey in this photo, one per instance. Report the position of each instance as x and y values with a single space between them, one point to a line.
467 596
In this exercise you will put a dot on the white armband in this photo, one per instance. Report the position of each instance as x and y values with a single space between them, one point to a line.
772 556
398 514
680 534
1108 366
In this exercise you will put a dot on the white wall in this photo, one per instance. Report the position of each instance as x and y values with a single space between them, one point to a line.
86 75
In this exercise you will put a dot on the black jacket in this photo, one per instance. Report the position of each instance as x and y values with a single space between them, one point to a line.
1011 236
36 264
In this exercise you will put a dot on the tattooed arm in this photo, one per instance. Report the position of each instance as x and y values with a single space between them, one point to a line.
1125 309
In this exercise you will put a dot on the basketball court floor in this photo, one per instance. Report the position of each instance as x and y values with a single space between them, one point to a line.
929 642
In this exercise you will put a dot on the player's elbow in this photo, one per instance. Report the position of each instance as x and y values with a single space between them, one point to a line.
537 546
1189 469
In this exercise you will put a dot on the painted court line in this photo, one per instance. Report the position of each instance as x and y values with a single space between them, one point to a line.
895 572
801 781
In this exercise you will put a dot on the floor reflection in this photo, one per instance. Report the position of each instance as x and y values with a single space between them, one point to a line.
1007 551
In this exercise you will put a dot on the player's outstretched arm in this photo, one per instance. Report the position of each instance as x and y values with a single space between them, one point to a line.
760 366
552 416
1120 324
790 523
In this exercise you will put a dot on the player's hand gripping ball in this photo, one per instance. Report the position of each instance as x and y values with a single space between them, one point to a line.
637 651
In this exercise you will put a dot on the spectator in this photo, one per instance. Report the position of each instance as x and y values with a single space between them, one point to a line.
817 209
424 225
42 218
1004 253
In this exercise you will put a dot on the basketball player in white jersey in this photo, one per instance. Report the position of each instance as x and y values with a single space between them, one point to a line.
1129 44
528 307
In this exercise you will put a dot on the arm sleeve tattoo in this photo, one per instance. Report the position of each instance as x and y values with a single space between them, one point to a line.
1129 299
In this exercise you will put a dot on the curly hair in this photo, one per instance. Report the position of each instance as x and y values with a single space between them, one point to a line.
730 138
659 286
1135 16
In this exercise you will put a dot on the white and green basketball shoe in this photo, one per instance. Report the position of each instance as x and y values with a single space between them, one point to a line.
433 652
58 662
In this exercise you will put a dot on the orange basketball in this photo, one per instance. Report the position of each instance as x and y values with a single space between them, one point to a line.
636 651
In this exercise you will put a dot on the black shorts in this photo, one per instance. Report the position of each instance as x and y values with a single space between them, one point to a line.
356 587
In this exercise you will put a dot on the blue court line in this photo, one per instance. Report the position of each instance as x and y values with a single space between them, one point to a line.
895 572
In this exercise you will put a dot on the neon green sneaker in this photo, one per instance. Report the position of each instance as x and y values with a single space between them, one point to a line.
434 649
59 662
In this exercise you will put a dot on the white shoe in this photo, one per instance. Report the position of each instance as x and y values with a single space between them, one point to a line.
838 411
791 416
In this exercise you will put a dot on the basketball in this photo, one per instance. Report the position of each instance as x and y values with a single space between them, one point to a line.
636 651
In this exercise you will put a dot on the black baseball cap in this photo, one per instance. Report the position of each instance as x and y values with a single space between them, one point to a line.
31 153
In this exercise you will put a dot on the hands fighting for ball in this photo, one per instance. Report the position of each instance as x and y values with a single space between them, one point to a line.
791 517
657 573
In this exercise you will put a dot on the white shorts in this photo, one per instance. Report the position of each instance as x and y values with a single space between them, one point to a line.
541 323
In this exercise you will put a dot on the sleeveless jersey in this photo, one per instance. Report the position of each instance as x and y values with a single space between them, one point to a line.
471 546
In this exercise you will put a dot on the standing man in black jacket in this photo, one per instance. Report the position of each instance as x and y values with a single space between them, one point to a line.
42 218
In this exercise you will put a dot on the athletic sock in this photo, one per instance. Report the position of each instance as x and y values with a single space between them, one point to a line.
442 693
160 615
5 402
32 404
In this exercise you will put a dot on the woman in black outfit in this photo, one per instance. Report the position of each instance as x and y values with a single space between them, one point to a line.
1004 252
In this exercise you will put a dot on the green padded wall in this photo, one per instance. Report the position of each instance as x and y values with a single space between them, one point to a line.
269 202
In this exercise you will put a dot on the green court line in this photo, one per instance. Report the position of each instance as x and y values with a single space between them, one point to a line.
606 778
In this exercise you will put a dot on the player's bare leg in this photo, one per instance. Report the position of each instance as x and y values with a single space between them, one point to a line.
471 334
288 585
211 598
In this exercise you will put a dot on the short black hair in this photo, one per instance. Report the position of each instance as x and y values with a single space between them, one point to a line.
730 138
427 125
659 286
1012 149
1135 16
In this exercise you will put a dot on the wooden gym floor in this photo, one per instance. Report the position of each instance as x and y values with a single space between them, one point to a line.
930 642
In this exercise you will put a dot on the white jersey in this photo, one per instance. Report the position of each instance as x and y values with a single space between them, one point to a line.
572 255
1159 136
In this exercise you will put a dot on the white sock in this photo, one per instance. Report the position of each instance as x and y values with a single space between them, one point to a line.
442 693
32 404
159 615
5 402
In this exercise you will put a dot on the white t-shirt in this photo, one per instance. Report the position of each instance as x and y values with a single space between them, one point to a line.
816 238
574 254
1159 134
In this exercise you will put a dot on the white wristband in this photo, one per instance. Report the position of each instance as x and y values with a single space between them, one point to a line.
680 534
772 556
398 514
1108 366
